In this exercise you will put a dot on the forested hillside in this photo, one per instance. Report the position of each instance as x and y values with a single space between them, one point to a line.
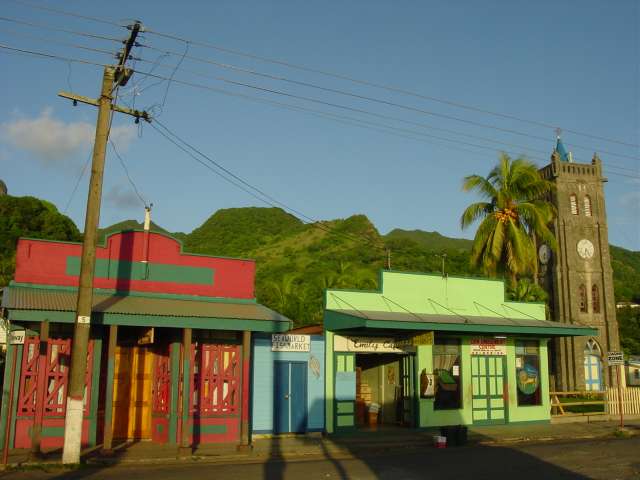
296 262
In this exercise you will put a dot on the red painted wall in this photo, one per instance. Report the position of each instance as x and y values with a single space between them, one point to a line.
45 262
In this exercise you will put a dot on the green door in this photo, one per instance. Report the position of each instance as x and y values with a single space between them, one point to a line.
345 391
487 377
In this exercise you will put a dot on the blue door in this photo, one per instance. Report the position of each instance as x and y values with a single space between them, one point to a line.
592 372
290 397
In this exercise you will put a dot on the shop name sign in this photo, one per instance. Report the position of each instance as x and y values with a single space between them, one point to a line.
373 344
283 342
488 346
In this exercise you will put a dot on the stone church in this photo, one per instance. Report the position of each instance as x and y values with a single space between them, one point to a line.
578 276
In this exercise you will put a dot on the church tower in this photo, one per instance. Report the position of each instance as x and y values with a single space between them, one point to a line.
578 277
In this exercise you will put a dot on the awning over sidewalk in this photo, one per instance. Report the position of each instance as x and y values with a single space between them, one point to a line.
58 304
385 320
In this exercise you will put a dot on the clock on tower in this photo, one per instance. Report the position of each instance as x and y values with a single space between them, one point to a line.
578 277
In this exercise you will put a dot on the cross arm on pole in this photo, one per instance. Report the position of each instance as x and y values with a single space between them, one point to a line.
117 108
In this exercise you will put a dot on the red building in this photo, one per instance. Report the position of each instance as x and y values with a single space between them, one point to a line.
169 348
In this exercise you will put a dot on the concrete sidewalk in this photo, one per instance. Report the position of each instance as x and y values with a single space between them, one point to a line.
362 443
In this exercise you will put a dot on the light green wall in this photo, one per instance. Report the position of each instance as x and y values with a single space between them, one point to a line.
434 294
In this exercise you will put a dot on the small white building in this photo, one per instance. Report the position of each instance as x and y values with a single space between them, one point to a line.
632 370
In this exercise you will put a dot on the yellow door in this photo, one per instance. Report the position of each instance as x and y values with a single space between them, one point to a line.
132 393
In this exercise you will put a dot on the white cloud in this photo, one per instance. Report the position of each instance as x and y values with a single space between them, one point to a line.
53 141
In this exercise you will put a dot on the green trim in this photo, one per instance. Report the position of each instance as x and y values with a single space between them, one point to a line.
149 271
208 323
343 321
95 391
54 432
209 429
6 387
16 389
173 403
110 291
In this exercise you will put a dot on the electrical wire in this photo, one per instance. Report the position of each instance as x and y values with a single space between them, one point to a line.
75 188
126 171
58 42
247 187
207 87
58 29
67 13
367 98
390 88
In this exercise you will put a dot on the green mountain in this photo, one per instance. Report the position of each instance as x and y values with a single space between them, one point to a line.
626 274
430 240
29 217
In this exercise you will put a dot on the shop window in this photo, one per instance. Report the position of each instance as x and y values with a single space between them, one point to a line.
637 373
528 372
573 200
582 297
595 299
446 369
587 205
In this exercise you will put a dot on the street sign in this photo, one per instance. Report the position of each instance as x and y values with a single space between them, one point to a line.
615 358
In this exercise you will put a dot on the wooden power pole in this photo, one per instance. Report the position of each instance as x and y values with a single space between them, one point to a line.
113 77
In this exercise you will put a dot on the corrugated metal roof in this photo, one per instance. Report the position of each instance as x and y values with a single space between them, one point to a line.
453 319
29 298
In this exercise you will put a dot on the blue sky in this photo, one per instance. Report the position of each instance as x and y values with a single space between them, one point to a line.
565 63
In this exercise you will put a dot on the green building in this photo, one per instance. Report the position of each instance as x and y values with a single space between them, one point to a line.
428 351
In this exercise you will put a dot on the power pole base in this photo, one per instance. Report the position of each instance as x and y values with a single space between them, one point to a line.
185 452
244 448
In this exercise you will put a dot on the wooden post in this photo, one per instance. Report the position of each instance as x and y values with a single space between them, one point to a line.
41 382
107 444
246 386
620 396
185 443
14 360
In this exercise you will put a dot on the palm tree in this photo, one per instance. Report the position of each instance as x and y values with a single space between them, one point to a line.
512 216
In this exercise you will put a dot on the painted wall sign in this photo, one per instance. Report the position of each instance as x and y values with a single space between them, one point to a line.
283 342
488 346
425 338
16 337
373 344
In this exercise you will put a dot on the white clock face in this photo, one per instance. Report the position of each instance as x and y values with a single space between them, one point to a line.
585 248
544 254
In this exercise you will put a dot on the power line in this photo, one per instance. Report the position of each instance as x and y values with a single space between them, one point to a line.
75 188
207 87
63 30
248 187
58 42
390 88
67 13
366 98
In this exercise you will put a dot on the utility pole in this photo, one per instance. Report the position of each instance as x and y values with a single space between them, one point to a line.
113 77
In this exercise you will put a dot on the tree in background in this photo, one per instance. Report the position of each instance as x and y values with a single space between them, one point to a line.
29 217
512 215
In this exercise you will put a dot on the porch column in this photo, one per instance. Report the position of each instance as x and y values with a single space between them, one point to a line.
107 444
185 441
245 442
41 382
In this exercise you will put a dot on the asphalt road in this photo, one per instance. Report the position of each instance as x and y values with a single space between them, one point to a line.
599 459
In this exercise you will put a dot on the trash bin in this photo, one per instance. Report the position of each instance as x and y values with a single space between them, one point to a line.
450 433
374 409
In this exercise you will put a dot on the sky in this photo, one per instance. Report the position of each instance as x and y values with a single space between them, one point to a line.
567 64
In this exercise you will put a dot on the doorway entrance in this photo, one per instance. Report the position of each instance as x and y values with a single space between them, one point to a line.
290 396
384 389
487 377
132 393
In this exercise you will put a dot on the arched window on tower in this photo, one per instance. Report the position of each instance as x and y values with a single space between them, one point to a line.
595 298
587 205
573 200
582 296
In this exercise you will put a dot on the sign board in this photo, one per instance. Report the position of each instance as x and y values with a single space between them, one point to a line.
615 358
16 337
284 342
373 344
425 338
488 346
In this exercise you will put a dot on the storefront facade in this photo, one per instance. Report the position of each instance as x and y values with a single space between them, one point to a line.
170 350
288 383
429 351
